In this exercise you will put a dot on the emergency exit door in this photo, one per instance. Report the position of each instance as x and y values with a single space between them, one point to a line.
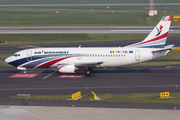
137 55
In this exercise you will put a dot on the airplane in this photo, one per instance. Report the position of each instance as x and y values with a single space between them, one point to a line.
69 60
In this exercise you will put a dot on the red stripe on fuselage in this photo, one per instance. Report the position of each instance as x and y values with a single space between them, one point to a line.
152 40
61 67
48 64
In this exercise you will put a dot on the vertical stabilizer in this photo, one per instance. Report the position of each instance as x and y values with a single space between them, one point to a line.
157 37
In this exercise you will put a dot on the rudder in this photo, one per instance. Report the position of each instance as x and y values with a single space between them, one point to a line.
157 37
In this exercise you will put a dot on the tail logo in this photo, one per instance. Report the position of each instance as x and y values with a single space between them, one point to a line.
159 30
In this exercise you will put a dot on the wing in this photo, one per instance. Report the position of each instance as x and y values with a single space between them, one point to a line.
88 64
71 68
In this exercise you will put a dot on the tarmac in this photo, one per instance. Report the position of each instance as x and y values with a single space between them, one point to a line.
81 113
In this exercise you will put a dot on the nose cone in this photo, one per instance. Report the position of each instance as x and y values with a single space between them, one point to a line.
7 60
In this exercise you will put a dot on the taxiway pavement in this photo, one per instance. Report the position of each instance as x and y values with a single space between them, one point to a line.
118 81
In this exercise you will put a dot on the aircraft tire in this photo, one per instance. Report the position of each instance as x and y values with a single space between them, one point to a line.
88 72
25 72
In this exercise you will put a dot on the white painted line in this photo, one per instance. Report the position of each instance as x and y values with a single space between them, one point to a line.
137 27
130 30
133 30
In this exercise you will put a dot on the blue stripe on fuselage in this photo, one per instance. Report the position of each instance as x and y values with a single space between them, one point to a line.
154 46
24 60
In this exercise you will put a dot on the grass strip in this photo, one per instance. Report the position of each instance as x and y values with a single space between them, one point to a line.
157 63
4 64
172 55
75 16
15 39
132 98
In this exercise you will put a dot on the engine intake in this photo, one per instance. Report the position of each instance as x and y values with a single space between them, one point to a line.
66 68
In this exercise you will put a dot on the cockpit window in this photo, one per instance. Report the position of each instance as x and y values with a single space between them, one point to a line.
16 55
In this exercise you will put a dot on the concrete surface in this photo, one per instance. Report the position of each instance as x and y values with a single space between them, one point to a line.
82 113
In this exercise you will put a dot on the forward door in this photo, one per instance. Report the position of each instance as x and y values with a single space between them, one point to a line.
29 55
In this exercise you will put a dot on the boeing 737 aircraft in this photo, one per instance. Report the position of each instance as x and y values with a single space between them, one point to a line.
68 60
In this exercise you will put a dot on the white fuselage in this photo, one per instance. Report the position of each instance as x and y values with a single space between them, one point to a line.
109 56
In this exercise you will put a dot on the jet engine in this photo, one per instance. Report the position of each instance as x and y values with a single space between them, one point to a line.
66 68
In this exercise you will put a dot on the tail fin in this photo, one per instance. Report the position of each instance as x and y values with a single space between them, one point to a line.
157 37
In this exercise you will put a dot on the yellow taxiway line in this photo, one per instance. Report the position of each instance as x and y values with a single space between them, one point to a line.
49 74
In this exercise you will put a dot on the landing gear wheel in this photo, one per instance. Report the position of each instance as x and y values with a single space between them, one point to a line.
88 72
25 72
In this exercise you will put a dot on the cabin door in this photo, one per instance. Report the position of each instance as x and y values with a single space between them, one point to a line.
78 56
137 55
29 55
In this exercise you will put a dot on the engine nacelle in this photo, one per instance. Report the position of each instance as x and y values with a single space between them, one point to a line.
66 68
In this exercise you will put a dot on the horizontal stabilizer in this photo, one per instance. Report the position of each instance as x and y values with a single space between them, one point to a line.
168 47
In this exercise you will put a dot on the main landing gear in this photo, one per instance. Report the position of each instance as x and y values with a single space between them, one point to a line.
88 71
24 71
